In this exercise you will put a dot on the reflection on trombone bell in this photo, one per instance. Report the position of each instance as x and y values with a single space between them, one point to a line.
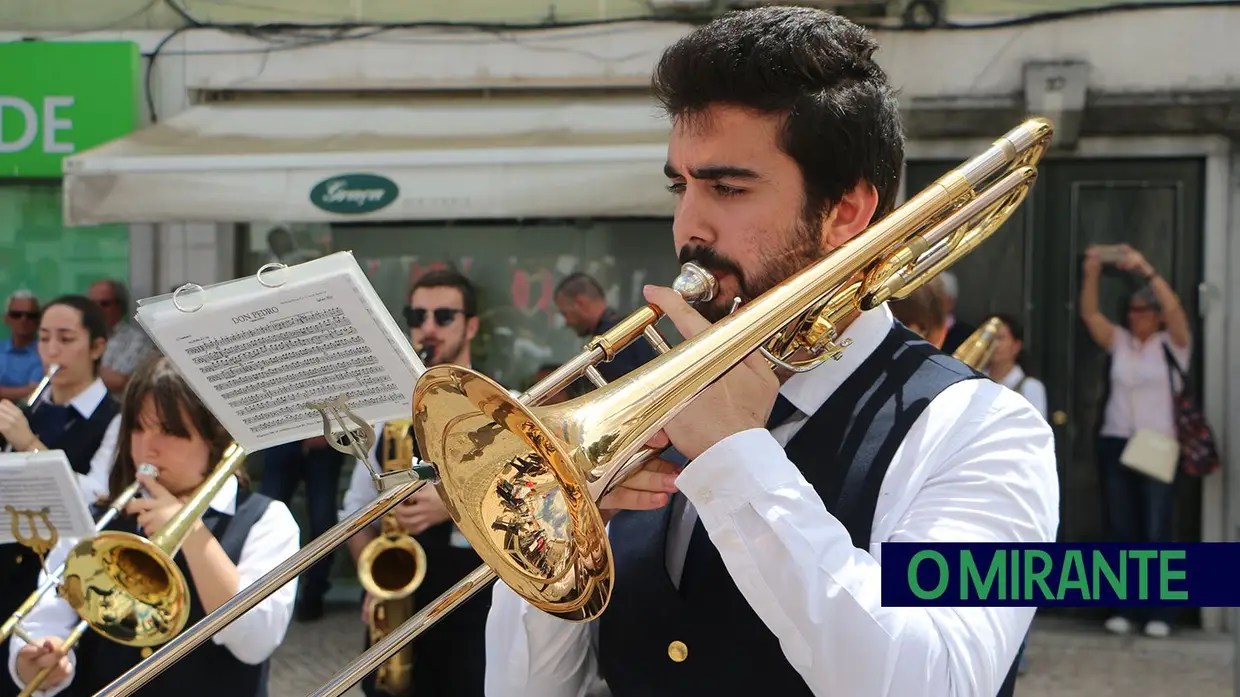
128 588
976 351
12 625
477 434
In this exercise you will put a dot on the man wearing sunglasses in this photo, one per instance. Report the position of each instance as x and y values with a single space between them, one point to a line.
20 367
442 317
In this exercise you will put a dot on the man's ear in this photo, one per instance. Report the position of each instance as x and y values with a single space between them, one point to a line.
852 215
471 328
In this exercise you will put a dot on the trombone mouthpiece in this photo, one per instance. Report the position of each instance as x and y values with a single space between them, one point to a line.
695 284
55 368
148 470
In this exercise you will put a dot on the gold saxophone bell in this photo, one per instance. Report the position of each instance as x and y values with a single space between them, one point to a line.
521 482
391 567
976 351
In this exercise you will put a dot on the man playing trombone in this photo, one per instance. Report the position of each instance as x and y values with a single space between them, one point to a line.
755 569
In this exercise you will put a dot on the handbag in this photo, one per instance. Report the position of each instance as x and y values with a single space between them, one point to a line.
1198 449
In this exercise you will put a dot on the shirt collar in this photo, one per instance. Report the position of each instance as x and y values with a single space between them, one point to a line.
1013 378
808 391
87 400
225 501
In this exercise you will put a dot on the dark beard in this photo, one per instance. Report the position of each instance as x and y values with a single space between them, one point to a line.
803 250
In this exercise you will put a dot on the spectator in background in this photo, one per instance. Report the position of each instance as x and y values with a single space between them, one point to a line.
925 311
128 345
582 303
1141 390
20 367
957 331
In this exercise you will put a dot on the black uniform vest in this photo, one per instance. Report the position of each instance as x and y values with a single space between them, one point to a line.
19 565
843 450
209 670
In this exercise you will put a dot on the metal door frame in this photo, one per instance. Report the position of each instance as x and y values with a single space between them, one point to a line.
1220 497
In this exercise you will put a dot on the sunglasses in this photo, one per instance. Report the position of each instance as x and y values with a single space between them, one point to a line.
444 316
22 314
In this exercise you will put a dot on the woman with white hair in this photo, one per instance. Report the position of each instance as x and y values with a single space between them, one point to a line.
1139 409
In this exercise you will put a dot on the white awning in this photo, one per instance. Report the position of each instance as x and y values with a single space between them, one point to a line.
362 160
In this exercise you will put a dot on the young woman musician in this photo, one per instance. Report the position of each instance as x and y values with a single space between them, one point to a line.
242 536
75 414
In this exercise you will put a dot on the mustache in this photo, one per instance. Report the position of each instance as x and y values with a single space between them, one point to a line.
714 262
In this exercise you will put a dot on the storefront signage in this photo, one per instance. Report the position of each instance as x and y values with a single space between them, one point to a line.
354 194
61 98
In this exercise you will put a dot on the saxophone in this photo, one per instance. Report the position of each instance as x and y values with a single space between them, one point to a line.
391 567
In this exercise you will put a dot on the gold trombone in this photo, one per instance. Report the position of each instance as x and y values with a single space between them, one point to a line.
391 567
129 588
976 351
521 483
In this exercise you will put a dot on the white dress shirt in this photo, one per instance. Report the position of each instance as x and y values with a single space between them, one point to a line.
251 638
1141 384
1028 387
978 465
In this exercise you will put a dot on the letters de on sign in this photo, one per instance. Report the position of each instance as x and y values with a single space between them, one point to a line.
354 194
31 121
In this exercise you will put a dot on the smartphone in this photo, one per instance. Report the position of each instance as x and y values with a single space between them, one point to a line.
1111 253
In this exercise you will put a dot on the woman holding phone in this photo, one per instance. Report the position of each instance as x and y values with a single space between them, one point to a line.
1140 405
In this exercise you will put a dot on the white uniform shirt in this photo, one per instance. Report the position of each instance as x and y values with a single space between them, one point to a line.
251 638
1030 388
1140 378
978 465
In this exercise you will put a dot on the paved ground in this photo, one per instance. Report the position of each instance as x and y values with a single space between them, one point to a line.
1065 660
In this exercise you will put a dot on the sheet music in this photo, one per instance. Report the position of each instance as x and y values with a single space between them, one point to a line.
32 481
258 355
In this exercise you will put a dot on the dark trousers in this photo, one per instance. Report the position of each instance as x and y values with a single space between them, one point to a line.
449 659
19 576
284 468
1138 509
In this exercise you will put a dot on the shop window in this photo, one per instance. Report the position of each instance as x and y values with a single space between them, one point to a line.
515 266
38 253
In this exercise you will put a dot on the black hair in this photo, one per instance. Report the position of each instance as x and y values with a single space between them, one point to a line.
447 278
842 121
92 318
173 399
580 285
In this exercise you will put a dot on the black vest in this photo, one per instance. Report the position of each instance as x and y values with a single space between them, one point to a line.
843 450
209 670
19 565
82 438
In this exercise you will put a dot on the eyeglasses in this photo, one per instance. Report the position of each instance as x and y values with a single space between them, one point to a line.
23 314
444 316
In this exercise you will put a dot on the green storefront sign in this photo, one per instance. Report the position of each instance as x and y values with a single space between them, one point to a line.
59 98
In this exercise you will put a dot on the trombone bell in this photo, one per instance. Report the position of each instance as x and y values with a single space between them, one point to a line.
127 589
515 491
